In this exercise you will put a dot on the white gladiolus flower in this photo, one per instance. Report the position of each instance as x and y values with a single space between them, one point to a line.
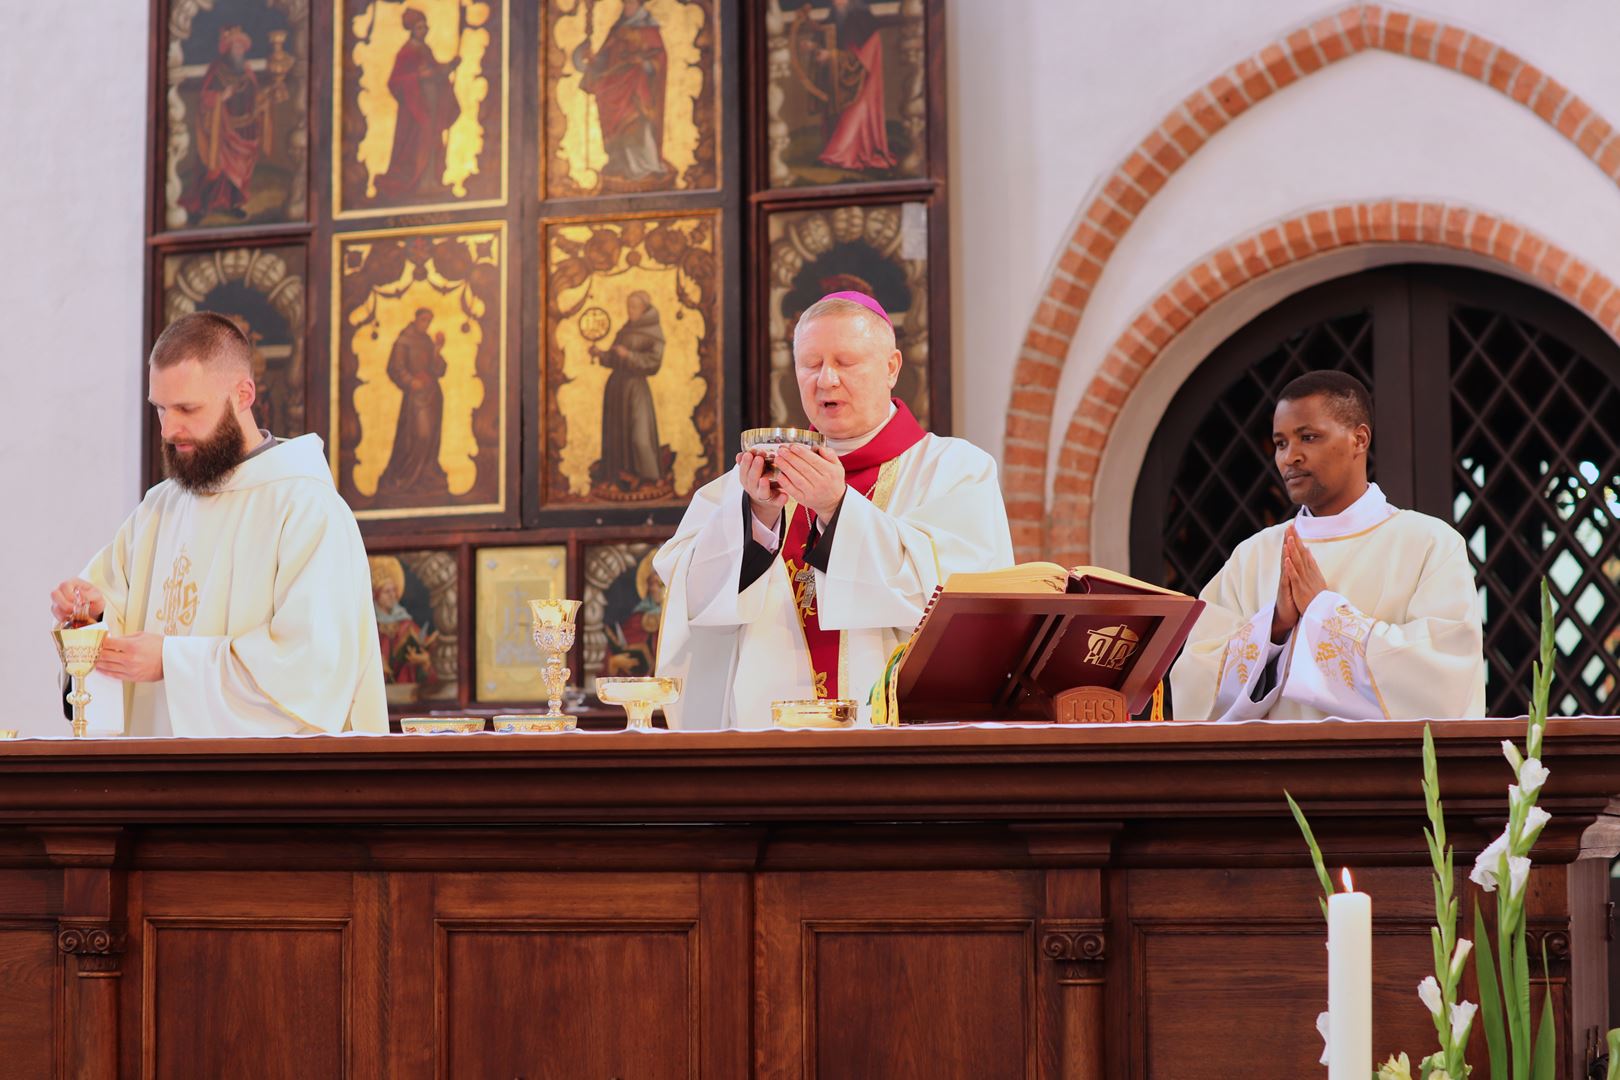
1462 1015
1429 994
1515 796
1458 956
1488 863
1534 820
1532 774
1518 874
1322 1029
1511 752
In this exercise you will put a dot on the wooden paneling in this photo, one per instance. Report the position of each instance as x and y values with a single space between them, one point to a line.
30 981
594 998
1093 904
890 974
1196 979
245 997
913 1001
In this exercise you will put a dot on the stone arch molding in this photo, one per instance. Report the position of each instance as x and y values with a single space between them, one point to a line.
1482 237
1112 210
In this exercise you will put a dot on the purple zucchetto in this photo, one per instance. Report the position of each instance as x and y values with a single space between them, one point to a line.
867 302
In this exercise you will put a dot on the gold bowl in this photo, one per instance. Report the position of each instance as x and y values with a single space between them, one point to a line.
8 733
815 713
530 725
441 725
639 695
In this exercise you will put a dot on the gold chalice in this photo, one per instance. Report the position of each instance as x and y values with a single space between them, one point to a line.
554 636
79 647
639 695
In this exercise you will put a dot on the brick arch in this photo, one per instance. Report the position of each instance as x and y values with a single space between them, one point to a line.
1512 247
1112 211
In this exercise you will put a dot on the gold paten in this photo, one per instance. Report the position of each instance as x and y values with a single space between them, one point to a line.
815 713
531 725
441 725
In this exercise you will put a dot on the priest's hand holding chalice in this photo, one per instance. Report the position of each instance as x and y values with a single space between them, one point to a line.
77 605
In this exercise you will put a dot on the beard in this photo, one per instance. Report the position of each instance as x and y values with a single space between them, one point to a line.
211 460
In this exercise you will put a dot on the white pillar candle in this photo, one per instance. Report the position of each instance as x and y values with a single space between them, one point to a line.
1349 985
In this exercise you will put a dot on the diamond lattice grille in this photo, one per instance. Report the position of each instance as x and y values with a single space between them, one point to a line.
1536 489
1226 487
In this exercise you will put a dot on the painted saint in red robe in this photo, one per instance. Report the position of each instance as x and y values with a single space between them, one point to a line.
859 141
231 124
628 78
427 107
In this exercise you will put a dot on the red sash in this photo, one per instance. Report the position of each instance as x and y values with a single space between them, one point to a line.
861 467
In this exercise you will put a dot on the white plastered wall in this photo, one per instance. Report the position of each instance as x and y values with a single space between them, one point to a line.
1048 97
72 181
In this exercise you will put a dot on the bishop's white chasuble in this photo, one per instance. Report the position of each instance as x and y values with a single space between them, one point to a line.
1396 634
918 508
263 595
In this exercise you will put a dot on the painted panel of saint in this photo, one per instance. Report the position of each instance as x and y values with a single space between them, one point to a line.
236 142
263 290
880 250
631 101
419 333
847 99
414 594
632 360
422 105
622 610
507 579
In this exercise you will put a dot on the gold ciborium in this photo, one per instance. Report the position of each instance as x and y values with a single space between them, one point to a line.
554 636
639 695
79 647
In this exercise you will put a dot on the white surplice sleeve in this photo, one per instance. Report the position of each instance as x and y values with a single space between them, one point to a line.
701 568
315 666
1427 667
883 566
1229 669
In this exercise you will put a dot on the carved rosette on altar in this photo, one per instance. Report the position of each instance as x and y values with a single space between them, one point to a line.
881 250
419 385
630 98
632 360
235 86
422 107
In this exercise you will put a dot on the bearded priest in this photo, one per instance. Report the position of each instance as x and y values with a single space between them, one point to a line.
237 596
803 591
1355 608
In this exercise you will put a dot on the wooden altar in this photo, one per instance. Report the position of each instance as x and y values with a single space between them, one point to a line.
1087 902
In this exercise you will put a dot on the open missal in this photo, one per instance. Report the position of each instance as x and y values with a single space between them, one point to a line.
1007 643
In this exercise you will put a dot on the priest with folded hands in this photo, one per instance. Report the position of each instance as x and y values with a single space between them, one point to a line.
1355 608
804 589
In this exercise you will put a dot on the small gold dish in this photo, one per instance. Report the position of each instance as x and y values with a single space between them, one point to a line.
531 725
8 733
441 725
815 713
